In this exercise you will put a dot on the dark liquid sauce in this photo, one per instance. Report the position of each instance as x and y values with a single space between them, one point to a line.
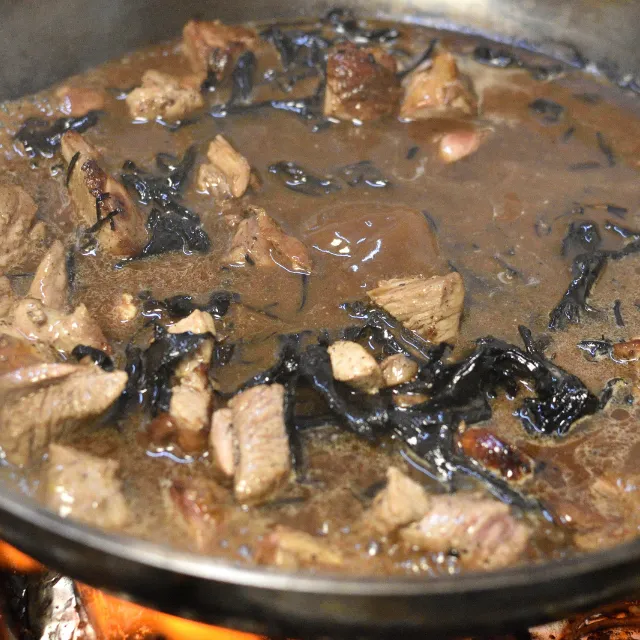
498 217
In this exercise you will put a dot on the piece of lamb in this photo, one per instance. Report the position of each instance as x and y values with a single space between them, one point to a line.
16 353
213 46
353 364
62 331
437 89
431 307
263 445
260 241
96 194
222 441
227 173
398 369
292 549
39 401
361 83
77 101
483 532
400 503
162 96
51 284
86 488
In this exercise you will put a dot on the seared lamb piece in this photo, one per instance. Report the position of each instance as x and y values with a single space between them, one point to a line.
400 503
361 83
483 532
263 444
162 96
77 101
223 442
353 364
19 230
85 488
126 310
50 283
292 549
457 145
398 369
437 89
260 241
213 46
38 402
97 195
62 331
628 351
227 173
16 353
429 306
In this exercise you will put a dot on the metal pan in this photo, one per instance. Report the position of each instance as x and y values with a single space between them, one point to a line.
34 55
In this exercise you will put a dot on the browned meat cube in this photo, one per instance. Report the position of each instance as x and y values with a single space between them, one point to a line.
62 331
353 364
211 45
483 532
93 191
162 96
361 83
16 353
50 283
292 549
227 173
437 89
457 145
39 401
223 442
18 227
400 503
260 241
398 369
85 488
76 101
263 445
627 351
196 322
431 307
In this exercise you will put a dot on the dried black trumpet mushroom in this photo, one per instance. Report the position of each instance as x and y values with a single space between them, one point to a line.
41 137
583 236
97 356
345 23
596 349
363 173
549 111
298 179
493 57
180 306
242 77
175 230
617 312
297 47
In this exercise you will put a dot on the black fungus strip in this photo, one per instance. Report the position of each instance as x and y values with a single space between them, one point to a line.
96 355
363 173
345 23
171 230
242 77
513 272
304 284
283 43
549 111
180 306
413 152
596 348
617 313
585 166
493 57
606 149
617 211
580 237
71 167
298 179
41 137
623 232
421 58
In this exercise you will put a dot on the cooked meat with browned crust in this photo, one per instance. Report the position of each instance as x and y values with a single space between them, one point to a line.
361 83
431 307
50 283
227 173
482 532
400 503
437 89
163 96
353 364
122 226
85 488
77 101
292 549
398 369
260 241
61 330
222 441
263 444
213 46
38 402
17 353
627 351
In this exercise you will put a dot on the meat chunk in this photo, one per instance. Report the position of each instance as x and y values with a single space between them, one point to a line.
431 307
260 241
16 353
197 321
211 45
126 309
398 369
263 445
38 402
18 226
438 89
50 283
292 549
7 297
85 488
361 83
95 194
628 351
457 145
400 503
353 364
222 441
77 101
162 96
481 531
227 173
62 331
